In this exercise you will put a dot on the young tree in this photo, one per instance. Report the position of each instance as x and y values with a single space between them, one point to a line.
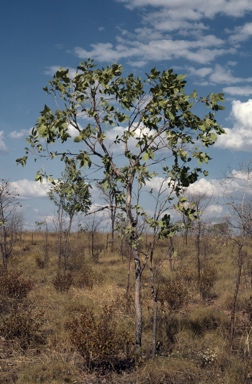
199 203
155 131
71 194
110 198
92 228
239 219
8 215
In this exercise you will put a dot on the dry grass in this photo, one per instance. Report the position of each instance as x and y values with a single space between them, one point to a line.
193 344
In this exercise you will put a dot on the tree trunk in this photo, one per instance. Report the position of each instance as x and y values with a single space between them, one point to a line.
154 330
198 244
237 287
138 304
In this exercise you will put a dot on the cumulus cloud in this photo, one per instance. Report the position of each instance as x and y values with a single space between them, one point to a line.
156 183
239 137
27 188
238 184
204 187
214 211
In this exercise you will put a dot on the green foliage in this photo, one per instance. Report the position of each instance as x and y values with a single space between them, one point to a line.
62 282
23 325
13 285
159 127
98 339
71 193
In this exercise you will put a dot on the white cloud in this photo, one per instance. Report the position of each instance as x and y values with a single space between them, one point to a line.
239 137
245 90
202 50
27 188
156 183
214 211
220 75
241 33
238 184
20 134
200 72
158 36
223 75
204 187
3 147
200 8
73 132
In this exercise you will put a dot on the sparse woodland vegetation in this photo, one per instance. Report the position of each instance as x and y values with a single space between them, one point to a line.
79 327
158 300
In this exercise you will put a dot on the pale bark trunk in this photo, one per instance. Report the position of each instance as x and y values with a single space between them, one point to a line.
138 304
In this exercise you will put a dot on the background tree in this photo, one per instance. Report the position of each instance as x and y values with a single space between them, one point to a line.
8 215
110 198
71 194
239 219
93 225
158 131
199 203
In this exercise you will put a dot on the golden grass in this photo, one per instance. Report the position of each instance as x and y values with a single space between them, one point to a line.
183 336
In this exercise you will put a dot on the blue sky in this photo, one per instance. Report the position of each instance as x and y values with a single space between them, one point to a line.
210 41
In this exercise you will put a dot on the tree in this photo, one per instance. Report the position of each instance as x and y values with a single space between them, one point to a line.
110 198
8 216
155 130
239 219
92 228
71 194
199 203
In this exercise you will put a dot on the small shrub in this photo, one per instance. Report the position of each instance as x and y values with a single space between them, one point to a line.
207 279
174 293
40 262
85 278
25 326
13 285
63 282
187 276
99 340
204 320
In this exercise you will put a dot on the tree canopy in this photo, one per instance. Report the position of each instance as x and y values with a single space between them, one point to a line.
148 121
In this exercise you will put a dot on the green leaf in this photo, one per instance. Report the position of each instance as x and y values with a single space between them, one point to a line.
38 177
78 139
